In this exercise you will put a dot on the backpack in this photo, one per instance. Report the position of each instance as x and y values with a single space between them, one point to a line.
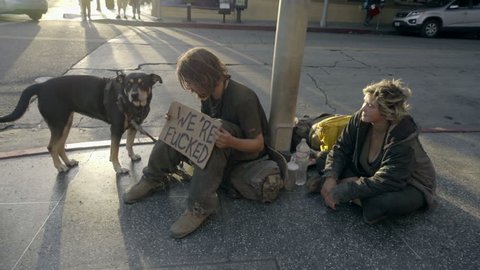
302 129
324 134
261 179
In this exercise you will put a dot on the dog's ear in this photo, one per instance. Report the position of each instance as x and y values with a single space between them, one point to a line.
156 78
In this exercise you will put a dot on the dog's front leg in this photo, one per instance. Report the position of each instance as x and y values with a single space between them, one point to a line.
114 146
131 132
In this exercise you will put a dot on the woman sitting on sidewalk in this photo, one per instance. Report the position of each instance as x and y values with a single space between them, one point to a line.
378 162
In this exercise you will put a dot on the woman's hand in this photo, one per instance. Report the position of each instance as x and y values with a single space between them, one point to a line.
224 138
326 192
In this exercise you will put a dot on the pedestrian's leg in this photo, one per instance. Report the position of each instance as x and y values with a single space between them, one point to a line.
163 160
83 9
138 9
119 7
88 9
392 204
134 8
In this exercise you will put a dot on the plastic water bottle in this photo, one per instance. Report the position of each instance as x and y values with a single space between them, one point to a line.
302 155
292 174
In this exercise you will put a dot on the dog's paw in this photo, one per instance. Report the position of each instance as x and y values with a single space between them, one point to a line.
121 170
135 157
62 168
72 163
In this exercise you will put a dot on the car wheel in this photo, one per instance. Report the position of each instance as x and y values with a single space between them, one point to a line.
37 15
401 31
430 28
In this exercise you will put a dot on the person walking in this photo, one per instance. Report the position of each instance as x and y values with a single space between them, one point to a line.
135 8
85 9
372 9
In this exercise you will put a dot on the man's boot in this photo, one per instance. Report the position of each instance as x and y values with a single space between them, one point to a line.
144 188
187 223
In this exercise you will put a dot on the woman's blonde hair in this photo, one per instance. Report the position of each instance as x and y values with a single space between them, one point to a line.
200 67
391 96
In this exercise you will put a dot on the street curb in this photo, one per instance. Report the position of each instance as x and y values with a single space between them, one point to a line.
146 140
229 26
69 147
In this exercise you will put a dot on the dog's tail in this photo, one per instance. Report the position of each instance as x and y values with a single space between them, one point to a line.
22 104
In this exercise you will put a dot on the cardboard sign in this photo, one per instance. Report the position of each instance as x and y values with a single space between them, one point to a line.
190 132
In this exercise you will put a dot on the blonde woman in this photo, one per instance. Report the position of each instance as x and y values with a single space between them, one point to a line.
378 161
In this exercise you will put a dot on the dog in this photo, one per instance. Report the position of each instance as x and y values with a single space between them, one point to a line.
122 101
122 4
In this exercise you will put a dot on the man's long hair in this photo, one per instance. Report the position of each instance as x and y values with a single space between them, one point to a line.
201 68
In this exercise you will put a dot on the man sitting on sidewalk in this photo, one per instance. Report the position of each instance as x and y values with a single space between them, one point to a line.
242 137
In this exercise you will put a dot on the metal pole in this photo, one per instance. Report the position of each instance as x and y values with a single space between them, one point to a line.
378 19
292 22
189 12
323 21
156 9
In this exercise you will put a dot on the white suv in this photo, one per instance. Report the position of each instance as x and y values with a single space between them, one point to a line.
438 15
33 8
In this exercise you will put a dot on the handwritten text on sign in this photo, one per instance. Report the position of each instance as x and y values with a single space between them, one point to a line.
190 132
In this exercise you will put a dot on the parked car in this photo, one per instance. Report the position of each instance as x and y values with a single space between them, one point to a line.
440 15
33 8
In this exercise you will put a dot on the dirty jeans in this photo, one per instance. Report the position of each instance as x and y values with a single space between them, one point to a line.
384 205
202 198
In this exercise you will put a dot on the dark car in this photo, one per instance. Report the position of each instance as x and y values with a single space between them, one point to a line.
33 8
440 15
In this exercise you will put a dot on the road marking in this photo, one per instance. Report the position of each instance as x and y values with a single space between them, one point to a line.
53 38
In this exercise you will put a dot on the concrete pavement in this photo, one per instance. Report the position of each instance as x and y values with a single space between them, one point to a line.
78 220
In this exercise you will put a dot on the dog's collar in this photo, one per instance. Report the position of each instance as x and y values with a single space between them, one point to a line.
137 114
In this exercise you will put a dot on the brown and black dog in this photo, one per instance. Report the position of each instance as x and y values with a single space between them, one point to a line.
123 102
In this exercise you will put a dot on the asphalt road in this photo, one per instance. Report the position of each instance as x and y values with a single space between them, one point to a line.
45 49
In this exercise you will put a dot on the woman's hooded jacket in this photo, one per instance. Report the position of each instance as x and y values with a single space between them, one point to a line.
403 162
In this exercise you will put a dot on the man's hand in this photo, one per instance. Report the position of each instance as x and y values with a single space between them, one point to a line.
349 179
224 138
326 192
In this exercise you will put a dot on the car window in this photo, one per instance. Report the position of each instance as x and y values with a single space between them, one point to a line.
460 4
437 3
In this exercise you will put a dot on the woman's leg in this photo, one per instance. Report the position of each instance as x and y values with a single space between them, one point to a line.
392 204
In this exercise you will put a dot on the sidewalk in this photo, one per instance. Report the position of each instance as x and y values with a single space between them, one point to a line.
108 16
78 220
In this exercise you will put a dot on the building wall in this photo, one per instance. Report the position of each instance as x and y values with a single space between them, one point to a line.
342 11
